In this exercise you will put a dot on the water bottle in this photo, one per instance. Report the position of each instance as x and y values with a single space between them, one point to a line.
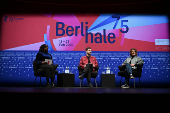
66 70
108 70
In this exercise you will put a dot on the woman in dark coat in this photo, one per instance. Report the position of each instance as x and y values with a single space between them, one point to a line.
49 70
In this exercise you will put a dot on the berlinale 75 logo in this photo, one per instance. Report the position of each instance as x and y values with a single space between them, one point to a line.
98 38
12 19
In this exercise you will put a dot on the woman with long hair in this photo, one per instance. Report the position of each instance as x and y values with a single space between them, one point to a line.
131 64
49 70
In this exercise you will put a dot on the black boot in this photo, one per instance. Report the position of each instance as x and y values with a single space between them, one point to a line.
81 76
125 86
52 82
47 84
90 85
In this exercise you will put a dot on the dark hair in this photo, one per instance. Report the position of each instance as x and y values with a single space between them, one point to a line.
42 47
88 48
135 51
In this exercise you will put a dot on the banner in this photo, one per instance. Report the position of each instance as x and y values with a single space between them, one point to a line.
75 32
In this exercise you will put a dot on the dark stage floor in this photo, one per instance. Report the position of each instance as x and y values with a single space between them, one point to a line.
77 94
78 90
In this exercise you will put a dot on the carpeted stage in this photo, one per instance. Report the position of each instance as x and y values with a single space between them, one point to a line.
82 90
69 95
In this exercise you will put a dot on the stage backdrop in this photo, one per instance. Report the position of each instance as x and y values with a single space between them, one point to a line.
110 36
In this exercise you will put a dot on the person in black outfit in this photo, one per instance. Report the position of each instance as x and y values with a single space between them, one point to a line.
49 70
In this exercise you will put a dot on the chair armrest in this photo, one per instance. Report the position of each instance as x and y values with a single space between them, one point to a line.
122 68
79 68
96 68
56 65
56 72
139 68
35 66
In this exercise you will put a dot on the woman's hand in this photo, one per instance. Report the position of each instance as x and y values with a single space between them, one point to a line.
44 62
132 65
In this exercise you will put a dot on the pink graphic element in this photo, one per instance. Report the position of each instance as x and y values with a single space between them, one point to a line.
122 39
72 40
70 19
34 46
148 33
48 30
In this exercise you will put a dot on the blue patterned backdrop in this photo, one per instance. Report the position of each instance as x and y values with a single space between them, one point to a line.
16 66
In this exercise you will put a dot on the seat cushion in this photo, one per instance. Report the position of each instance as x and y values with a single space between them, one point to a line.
134 73
39 72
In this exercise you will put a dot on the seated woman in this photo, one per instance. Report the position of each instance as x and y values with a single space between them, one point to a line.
131 64
49 70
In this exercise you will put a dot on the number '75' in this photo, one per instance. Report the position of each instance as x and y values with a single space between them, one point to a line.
122 24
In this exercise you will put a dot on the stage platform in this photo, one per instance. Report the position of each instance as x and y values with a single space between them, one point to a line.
83 90
77 94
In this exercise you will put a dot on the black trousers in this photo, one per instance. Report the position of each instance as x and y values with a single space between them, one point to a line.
49 71
87 72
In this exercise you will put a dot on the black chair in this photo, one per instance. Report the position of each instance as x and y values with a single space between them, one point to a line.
93 74
136 73
40 72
